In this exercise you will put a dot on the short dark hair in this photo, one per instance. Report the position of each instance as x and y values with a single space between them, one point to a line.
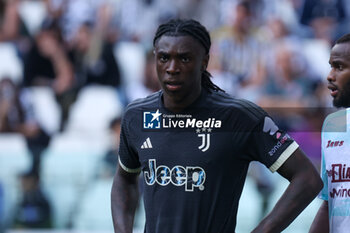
189 27
344 39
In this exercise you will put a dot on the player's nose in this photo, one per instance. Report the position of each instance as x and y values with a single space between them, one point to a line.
331 76
173 67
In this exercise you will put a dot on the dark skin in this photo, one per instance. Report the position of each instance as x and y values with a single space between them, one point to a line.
321 221
304 185
339 76
124 197
339 85
180 62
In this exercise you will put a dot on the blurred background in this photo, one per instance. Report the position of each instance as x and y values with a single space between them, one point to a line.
68 68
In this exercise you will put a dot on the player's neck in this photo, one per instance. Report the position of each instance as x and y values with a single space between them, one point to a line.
177 104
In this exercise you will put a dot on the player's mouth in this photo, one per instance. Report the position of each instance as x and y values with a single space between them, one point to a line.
333 89
173 86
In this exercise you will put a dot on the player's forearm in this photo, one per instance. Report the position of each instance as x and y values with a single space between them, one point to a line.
124 199
3 116
302 189
64 71
321 221
11 21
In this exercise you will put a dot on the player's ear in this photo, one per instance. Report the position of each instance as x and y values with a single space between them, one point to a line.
205 62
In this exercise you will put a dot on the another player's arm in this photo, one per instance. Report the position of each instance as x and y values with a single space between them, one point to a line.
305 184
124 199
321 221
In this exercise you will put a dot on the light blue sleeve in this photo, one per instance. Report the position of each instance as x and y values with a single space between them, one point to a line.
324 192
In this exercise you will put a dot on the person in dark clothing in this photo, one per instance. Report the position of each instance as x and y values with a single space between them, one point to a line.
193 143
17 116
47 64
34 210
93 58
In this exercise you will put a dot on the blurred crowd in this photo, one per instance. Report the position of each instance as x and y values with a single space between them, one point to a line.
272 52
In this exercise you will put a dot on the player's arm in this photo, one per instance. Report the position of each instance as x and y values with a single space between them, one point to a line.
305 184
321 221
124 199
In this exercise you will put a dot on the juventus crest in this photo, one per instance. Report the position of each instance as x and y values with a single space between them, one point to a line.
204 134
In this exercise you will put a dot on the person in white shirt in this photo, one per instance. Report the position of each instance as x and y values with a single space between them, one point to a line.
334 213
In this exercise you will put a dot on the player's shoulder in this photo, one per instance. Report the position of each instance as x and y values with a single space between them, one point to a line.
237 105
148 101
142 103
336 121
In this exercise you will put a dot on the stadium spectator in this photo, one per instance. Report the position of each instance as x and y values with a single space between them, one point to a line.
17 116
237 44
324 17
93 58
287 79
149 12
34 210
11 23
149 82
12 26
110 159
47 64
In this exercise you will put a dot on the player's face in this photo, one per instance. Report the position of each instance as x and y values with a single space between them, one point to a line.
180 61
339 76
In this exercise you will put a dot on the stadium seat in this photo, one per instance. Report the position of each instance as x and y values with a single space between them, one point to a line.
93 110
94 211
46 108
131 59
10 66
69 165
317 54
250 202
33 14
14 159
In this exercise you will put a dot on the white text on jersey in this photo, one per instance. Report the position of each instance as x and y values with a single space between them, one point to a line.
191 177
191 123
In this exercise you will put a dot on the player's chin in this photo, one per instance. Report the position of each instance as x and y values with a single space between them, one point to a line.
339 102
173 92
176 95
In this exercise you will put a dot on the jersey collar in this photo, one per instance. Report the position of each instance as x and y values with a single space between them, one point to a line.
198 103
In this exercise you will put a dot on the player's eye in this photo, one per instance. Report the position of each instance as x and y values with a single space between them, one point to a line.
163 58
337 66
185 59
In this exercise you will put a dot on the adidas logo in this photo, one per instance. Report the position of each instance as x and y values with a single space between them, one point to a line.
147 144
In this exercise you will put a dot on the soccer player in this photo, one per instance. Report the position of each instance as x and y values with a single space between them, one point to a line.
334 213
193 144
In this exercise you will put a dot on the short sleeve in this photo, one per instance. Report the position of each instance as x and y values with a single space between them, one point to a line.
270 145
324 192
128 157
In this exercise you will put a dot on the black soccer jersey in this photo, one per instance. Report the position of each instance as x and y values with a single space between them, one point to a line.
194 163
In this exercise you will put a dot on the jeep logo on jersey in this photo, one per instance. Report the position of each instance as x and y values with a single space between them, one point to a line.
269 126
151 120
190 177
